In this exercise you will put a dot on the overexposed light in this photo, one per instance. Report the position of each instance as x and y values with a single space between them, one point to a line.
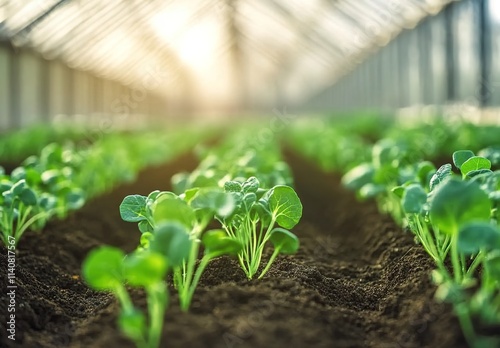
197 46
3 13
494 7
168 24
194 43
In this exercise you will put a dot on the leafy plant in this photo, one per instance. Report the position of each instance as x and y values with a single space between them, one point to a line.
61 178
20 208
160 213
452 218
108 269
253 222
242 158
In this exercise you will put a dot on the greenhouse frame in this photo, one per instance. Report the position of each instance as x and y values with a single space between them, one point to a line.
250 173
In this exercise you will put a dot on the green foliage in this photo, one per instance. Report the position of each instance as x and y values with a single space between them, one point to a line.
285 206
443 173
173 226
171 239
109 269
413 199
243 157
257 213
474 164
102 269
476 236
457 202
454 217
61 178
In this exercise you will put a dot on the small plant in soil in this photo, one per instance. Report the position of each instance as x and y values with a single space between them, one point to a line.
455 218
162 213
255 221
20 208
107 269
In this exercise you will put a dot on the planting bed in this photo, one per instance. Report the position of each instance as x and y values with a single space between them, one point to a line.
357 280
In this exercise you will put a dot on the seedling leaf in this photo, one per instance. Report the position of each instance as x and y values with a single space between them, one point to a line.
474 173
443 173
423 170
232 186
102 269
284 241
171 239
476 236
414 198
18 187
144 269
169 208
28 196
398 191
133 208
475 163
370 190
75 199
221 203
145 226
218 242
358 176
461 156
251 185
456 202
285 206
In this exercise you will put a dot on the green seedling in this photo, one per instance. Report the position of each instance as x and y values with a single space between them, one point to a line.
108 269
20 208
253 222
188 215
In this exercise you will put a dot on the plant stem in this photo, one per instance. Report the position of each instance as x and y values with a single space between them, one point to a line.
466 324
475 263
199 271
123 298
28 223
188 277
270 262
157 301
455 258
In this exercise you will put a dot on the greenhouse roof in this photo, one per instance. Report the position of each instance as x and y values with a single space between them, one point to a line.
217 47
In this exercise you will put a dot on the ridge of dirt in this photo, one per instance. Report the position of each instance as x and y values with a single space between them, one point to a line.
357 281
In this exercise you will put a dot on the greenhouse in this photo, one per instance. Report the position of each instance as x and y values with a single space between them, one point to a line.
250 173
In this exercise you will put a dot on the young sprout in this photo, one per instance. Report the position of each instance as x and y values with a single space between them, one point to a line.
108 269
253 222
188 215
20 208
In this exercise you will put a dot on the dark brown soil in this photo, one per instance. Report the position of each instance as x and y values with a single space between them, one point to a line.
357 281
9 166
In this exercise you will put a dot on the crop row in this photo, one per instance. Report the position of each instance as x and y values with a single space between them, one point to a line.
61 178
453 216
240 185
20 144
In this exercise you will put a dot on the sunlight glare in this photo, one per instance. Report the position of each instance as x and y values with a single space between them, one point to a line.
495 10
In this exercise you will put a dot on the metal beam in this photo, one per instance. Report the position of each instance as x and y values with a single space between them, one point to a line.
450 53
484 36
29 26
14 88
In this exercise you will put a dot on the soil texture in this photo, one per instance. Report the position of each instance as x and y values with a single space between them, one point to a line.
357 281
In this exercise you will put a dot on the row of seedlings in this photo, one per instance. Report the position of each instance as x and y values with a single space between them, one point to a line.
62 178
241 185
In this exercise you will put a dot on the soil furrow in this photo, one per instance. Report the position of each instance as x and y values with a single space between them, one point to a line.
357 281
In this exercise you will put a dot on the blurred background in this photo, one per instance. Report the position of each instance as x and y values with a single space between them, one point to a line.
138 61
